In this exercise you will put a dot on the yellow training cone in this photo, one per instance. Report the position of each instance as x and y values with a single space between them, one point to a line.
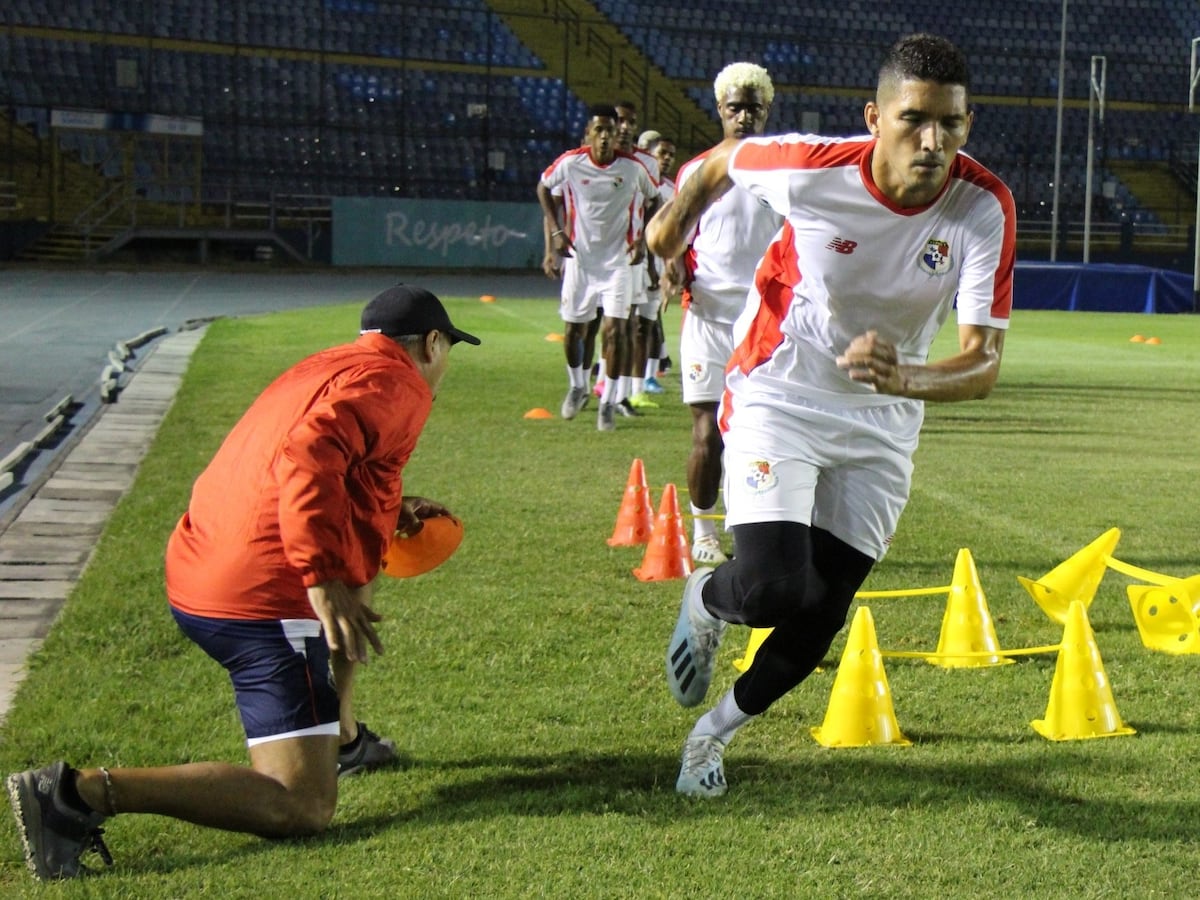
1074 579
967 624
1081 702
1165 618
757 636
860 711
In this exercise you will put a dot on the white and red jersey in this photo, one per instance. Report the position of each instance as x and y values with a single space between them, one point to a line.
600 201
650 161
848 260
666 191
724 250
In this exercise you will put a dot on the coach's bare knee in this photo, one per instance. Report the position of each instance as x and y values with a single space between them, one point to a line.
301 816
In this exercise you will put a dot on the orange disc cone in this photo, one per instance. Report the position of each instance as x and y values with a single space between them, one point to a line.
1081 702
668 554
1165 618
635 521
538 412
1076 578
967 624
860 711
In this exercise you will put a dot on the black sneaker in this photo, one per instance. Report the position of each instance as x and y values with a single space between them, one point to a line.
628 410
54 835
370 752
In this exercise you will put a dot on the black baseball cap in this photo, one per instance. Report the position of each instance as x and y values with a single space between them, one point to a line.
405 309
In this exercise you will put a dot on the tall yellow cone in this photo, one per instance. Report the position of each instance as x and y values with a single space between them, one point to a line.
757 636
1081 703
1165 618
860 711
1076 578
967 624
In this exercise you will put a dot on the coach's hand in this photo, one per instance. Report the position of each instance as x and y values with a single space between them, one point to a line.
347 618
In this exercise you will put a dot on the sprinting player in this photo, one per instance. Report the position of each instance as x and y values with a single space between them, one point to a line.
631 395
594 250
885 234
663 150
717 273
269 572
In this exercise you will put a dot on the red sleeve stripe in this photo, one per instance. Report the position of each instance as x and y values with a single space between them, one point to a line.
795 154
970 171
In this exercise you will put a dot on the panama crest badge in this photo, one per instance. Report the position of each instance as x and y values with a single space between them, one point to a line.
760 478
935 258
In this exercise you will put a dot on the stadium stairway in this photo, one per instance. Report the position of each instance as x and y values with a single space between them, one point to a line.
1156 188
606 67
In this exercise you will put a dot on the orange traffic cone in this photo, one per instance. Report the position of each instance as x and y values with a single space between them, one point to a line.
860 709
967 624
635 521
1081 702
1076 578
668 554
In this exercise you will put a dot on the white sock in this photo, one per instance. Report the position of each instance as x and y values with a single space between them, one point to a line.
703 527
577 376
651 367
622 387
722 721
699 607
637 384
609 393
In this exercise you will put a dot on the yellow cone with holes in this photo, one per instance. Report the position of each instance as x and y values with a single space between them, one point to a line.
1081 702
967 623
1076 578
1164 616
860 711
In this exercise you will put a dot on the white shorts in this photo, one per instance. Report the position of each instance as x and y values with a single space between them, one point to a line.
649 307
585 290
846 471
704 351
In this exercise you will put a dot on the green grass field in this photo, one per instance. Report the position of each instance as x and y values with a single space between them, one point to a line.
525 676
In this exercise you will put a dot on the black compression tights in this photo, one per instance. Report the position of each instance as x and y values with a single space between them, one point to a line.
795 579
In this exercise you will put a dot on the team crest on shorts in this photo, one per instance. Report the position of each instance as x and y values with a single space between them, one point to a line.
695 373
935 259
760 478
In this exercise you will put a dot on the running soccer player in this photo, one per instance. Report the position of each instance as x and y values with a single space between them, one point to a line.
595 250
718 271
884 235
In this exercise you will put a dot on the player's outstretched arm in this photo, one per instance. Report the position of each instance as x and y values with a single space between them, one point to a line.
968 375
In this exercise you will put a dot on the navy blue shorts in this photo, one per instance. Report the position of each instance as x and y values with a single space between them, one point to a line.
280 672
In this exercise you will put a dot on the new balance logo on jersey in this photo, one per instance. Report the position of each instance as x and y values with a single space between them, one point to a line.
935 258
842 245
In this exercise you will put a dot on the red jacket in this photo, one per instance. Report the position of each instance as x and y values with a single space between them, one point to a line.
305 489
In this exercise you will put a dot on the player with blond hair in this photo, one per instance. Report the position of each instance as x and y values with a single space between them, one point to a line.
717 272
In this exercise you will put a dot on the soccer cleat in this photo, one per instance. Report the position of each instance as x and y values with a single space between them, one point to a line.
370 753
606 417
598 389
53 834
692 652
706 550
702 772
653 387
574 402
642 401
627 409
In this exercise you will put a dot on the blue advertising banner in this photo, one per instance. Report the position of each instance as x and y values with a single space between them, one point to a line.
378 231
